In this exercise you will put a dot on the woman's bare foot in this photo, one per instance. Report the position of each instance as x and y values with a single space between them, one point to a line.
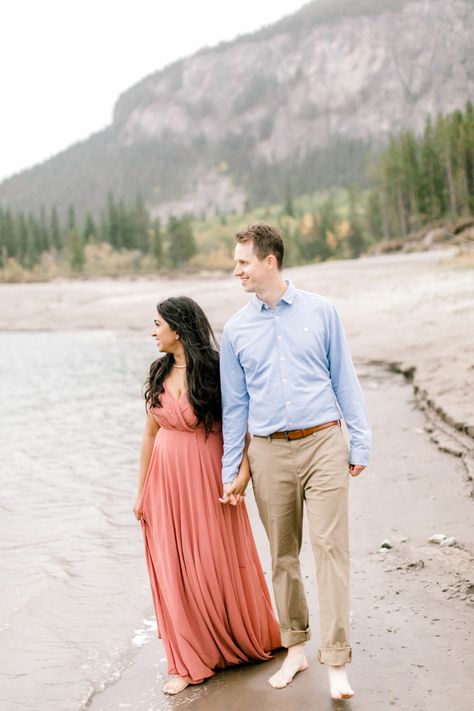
295 662
175 685
339 683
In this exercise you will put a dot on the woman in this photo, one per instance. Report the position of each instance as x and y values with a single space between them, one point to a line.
211 600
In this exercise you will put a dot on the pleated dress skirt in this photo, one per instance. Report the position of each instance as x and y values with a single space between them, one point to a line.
211 599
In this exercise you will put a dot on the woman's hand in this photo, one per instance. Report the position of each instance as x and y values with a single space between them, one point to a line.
137 510
148 442
235 491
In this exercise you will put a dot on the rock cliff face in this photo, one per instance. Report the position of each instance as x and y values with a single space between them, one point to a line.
299 100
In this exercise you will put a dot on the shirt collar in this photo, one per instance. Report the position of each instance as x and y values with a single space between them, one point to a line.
288 297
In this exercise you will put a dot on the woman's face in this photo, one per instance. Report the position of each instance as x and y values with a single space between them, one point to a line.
166 339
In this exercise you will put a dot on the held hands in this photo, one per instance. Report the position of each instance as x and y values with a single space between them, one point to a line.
234 492
355 469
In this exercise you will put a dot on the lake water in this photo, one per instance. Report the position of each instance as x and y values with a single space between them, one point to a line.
75 603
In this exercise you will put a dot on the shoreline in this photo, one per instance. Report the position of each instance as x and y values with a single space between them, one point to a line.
413 312
450 437
404 315
415 586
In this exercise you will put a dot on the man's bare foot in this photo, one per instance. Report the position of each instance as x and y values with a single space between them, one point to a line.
295 662
339 683
175 685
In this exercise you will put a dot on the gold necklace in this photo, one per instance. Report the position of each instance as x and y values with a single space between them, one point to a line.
178 366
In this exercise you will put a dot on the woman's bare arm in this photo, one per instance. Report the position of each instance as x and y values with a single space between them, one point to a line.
148 440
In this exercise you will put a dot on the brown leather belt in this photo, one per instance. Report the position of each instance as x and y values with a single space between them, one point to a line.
299 434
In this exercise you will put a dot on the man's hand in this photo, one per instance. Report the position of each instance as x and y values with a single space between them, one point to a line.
234 492
355 469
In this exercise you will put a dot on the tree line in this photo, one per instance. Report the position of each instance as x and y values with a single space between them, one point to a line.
415 181
327 232
421 179
25 238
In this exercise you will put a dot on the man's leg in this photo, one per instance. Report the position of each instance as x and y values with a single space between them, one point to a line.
279 496
323 457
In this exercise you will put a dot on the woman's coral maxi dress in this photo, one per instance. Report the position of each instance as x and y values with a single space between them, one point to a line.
211 600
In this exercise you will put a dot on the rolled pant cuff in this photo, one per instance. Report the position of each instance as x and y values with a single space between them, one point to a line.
291 637
335 656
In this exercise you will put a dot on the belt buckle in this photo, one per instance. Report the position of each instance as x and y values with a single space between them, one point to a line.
287 435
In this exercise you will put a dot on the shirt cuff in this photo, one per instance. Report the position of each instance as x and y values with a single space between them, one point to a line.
359 456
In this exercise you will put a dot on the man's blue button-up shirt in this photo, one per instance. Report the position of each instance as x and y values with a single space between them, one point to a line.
288 368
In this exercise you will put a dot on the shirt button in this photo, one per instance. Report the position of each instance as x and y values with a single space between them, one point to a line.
279 338
284 380
290 422
305 328
282 358
288 402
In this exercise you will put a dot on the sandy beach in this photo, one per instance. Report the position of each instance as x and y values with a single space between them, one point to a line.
413 312
412 606
410 323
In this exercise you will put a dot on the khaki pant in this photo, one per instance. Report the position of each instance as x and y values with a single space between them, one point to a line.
284 475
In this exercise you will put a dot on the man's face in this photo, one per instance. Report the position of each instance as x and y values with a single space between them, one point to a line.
249 269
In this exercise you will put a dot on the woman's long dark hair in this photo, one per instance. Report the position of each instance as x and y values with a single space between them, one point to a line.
201 350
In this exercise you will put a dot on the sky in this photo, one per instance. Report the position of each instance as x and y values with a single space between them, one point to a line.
63 63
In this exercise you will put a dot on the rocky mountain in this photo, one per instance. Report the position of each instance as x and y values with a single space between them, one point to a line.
300 101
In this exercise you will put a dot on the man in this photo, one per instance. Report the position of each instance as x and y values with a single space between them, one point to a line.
287 374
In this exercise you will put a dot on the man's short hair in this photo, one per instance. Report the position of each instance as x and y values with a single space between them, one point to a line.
266 240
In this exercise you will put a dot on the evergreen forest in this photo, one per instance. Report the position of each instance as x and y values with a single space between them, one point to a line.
415 182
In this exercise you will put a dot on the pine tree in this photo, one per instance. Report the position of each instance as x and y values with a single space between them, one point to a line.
374 217
155 242
461 160
182 245
21 234
9 237
431 187
90 229
289 208
55 229
141 225
3 246
355 237
71 219
75 249
445 142
112 222
393 180
74 243
411 177
44 234
32 248
469 155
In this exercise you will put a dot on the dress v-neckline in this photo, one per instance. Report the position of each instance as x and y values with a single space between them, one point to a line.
171 394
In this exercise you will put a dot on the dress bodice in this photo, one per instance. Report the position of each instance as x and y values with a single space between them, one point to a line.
175 413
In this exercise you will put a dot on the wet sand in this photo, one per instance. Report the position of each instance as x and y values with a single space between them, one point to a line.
412 606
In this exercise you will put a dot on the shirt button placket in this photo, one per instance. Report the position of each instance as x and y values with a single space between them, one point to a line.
282 366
